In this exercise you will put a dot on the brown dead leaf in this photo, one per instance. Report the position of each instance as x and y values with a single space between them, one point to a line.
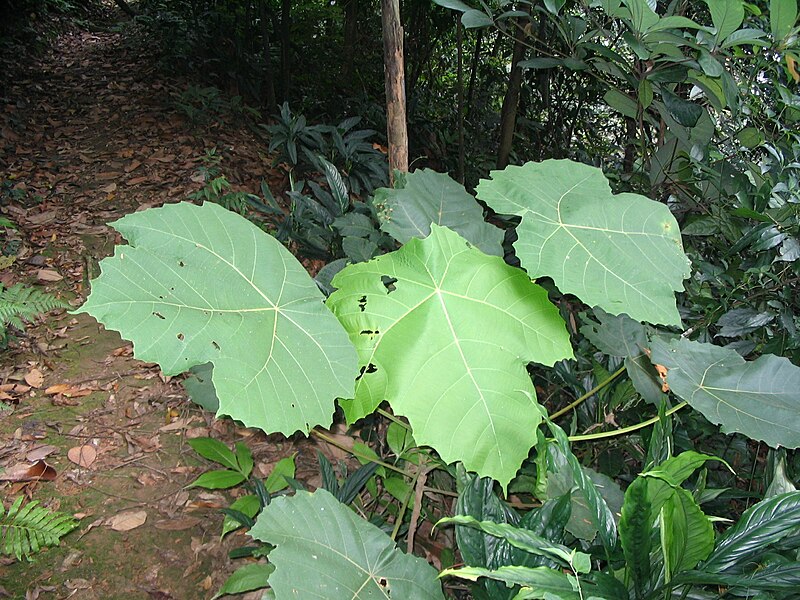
125 521
38 471
34 378
68 390
109 189
40 452
48 275
83 456
135 164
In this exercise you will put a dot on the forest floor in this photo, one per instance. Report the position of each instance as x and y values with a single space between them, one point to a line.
88 133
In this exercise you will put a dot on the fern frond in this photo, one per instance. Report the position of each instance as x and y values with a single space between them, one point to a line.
24 302
24 530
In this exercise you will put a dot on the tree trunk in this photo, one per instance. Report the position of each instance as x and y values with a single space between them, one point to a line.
395 87
286 25
126 8
473 73
508 114
350 34
268 85
460 101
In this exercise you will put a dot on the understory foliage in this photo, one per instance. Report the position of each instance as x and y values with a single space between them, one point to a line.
476 342
21 302
444 333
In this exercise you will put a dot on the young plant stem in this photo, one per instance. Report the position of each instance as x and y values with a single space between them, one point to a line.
357 454
394 419
624 430
399 522
588 394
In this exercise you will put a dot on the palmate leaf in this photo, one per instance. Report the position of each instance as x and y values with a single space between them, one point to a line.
758 398
200 284
620 252
424 197
324 550
444 333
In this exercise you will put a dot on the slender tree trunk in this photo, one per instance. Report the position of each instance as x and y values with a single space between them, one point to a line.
473 73
126 8
286 25
350 34
460 101
508 114
395 87
268 86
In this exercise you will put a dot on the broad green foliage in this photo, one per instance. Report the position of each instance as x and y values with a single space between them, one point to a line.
324 550
446 342
424 197
620 252
758 398
201 284
24 530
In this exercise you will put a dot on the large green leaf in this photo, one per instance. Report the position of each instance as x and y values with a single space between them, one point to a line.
324 550
200 284
620 252
444 333
424 197
782 17
759 398
726 15
760 526
537 582
687 536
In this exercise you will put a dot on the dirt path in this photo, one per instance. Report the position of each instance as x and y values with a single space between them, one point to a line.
89 134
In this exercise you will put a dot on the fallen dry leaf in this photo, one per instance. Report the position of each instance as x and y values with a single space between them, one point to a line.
125 521
68 390
38 471
34 378
82 456
48 275
40 452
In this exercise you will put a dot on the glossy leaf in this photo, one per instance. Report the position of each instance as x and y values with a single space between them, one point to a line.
620 252
215 451
221 479
426 197
757 398
687 536
246 578
441 306
200 284
324 550
782 17
762 525
726 15
540 580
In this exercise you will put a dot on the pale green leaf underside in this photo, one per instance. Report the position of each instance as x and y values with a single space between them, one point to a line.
620 252
758 398
448 348
201 284
430 197
324 550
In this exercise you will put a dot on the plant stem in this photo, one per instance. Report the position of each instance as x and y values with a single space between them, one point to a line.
588 394
624 430
402 513
392 418
352 451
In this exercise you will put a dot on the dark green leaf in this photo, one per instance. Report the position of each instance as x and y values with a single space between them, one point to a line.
475 18
218 480
214 450
246 578
782 18
686 113
766 523
635 530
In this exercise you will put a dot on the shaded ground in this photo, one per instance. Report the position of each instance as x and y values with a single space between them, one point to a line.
88 134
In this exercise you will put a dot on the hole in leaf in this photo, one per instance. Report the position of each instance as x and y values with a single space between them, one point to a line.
370 368
362 303
181 263
389 283
181 336
215 344
159 315
369 332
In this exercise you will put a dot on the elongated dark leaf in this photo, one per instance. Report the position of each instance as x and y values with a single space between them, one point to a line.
635 530
764 524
